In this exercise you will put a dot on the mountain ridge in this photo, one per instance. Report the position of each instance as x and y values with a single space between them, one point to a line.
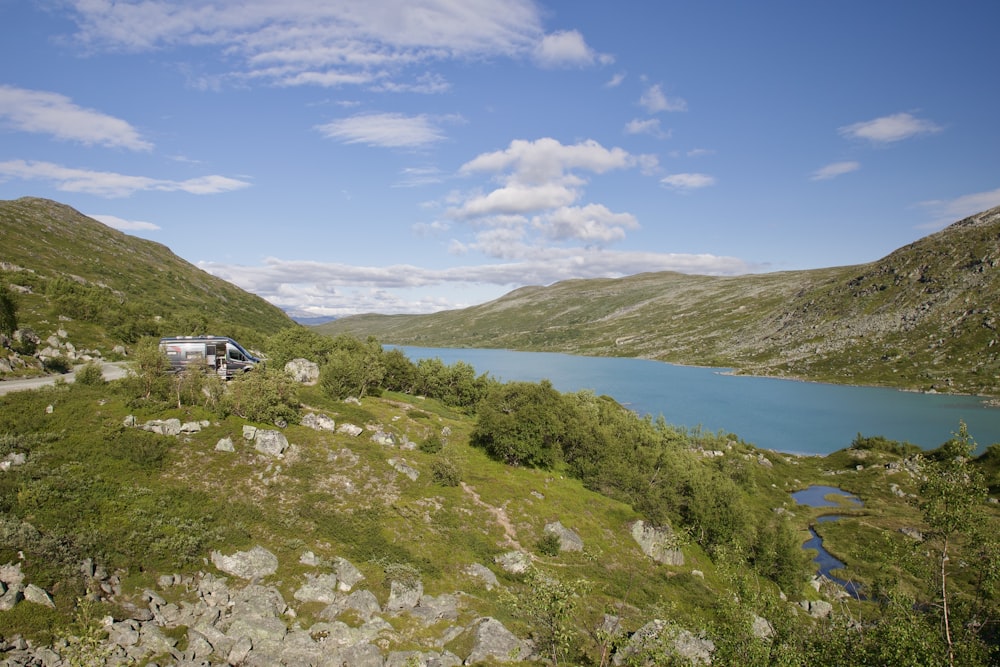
108 287
920 318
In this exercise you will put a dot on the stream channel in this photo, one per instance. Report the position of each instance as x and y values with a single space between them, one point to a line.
816 496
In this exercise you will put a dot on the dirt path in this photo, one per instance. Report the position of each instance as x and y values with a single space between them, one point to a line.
112 371
499 513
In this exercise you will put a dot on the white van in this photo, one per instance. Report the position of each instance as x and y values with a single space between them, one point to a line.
217 353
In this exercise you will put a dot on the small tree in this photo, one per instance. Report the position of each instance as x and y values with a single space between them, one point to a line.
8 311
269 396
951 500
548 606
147 373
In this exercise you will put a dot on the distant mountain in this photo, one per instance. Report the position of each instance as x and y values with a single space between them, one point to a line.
72 272
923 318
313 321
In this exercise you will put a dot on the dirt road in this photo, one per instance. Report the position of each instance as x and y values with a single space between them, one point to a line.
112 371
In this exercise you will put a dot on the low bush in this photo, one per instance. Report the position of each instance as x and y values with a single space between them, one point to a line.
445 473
90 375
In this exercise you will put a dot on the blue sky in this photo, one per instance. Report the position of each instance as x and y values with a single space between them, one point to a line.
339 157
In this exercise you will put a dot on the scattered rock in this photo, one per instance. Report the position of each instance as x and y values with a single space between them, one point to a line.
319 422
514 562
269 442
659 543
484 574
568 540
350 429
403 468
491 641
253 564
303 370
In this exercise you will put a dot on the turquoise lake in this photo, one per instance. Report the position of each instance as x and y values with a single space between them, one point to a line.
783 415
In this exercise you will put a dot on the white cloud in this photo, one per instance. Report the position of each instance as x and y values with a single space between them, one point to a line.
649 126
111 184
303 286
888 129
540 184
615 81
412 177
517 198
125 225
947 211
546 159
51 113
834 169
593 223
564 49
654 101
687 182
329 43
389 130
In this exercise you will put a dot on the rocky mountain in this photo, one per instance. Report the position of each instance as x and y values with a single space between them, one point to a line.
105 288
922 318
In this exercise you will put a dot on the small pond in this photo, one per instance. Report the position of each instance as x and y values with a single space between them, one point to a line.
816 496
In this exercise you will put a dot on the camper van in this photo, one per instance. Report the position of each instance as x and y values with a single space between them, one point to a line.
216 353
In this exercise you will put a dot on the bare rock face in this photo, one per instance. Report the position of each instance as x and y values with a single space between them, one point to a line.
568 540
303 370
658 542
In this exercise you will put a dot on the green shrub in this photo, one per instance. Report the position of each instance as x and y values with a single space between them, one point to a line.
270 397
445 473
432 445
147 376
58 364
548 544
8 311
91 375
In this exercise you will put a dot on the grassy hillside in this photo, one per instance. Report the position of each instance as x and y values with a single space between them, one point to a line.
922 318
144 506
106 288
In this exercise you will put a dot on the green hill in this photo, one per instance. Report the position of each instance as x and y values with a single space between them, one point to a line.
922 318
106 288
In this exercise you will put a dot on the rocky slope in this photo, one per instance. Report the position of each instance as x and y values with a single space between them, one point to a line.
75 278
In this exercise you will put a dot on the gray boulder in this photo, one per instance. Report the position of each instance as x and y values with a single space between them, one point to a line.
657 637
514 562
491 641
350 429
303 370
659 543
483 574
253 564
318 588
37 595
568 540
319 422
404 468
272 443
404 595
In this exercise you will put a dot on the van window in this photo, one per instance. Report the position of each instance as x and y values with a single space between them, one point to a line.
235 355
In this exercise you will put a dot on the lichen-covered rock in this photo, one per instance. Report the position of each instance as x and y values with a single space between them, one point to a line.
568 540
269 442
658 542
253 564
